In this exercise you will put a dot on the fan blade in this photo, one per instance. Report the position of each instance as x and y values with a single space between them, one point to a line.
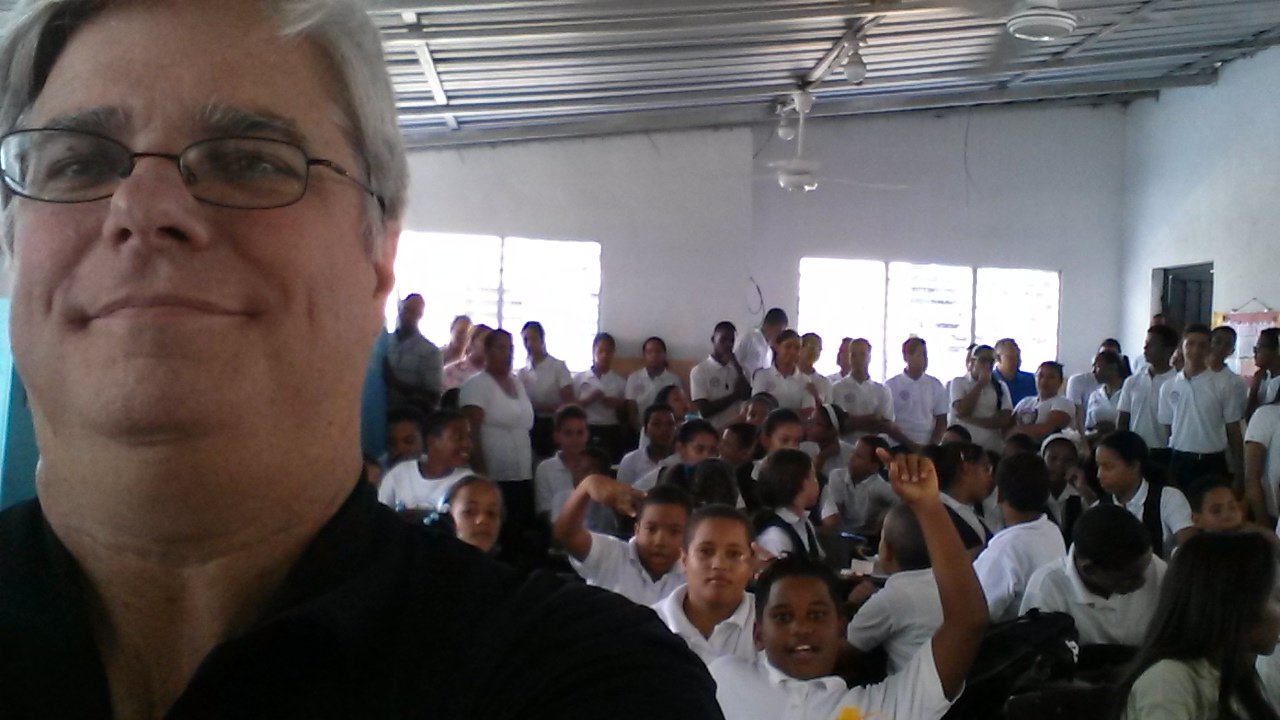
990 9
868 185
1007 50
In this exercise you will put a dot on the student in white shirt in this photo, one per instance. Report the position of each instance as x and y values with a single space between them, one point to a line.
810 351
696 441
842 361
783 380
1046 412
713 612
800 631
1030 539
1081 385
647 568
404 436
1262 463
964 485
660 429
548 383
905 614
920 402
717 385
1102 407
859 490
475 507
557 476
788 486
1122 460
643 384
754 349
822 440
1264 386
1140 396
980 402
1203 410
422 484
602 393
1109 582
866 403
1061 457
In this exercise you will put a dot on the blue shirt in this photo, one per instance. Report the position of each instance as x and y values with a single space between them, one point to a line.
1023 384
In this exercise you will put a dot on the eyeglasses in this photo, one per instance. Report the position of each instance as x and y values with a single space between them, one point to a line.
71 166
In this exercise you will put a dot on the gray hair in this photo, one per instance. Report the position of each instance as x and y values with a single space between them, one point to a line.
38 31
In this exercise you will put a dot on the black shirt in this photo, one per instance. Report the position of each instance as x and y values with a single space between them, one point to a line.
378 619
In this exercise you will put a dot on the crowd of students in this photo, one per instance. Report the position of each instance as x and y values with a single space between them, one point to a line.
792 527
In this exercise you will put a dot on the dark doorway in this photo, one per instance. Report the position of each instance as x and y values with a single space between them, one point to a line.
1187 296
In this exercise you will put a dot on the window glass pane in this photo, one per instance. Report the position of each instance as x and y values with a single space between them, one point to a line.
934 302
455 274
1023 305
557 283
839 299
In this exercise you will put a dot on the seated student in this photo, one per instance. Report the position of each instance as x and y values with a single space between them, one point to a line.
602 393
1062 457
783 379
1109 581
822 440
1019 442
1045 413
956 434
758 408
713 612
712 483
905 614
859 490
1218 612
660 430
800 629
675 397
1163 510
696 441
1030 539
738 444
645 569
643 384
1214 505
782 428
961 492
475 506
788 487
557 476
423 484
404 437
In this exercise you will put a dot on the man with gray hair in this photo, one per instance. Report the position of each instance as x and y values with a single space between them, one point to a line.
202 204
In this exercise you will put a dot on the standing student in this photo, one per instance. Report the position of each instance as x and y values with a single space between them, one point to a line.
754 349
788 486
717 385
602 393
822 440
645 569
1264 386
1102 407
457 372
1008 369
1202 410
660 430
423 483
860 491
1062 459
1262 464
1028 541
1123 468
1218 612
548 384
457 344
643 385
783 379
412 367
842 361
980 402
1140 396
1081 385
800 632
475 506
920 402
866 403
712 611
810 351
1046 412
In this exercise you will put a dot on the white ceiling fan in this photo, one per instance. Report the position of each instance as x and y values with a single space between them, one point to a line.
799 173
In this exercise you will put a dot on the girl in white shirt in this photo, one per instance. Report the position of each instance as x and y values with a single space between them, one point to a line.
788 485
783 380
1048 412
1102 407
643 384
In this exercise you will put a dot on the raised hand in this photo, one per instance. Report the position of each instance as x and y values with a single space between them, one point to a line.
913 477
623 498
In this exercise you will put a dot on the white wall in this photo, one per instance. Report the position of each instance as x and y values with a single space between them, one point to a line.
1203 179
685 218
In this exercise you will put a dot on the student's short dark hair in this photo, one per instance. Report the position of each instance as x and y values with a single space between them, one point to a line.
666 494
1269 338
536 327
603 338
1111 342
962 431
693 428
1021 442
904 536
600 461
467 482
785 335
712 482
766 398
494 336
664 394
795 565
1197 329
436 422
1226 330
724 326
778 417
744 433
911 342
776 316
947 462
1052 366
406 414
653 410
567 413
1167 335
1023 482
1110 537
718 511
876 443
1202 486
782 476
654 338
1109 357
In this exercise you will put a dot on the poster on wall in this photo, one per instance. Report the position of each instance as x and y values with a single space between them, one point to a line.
1248 326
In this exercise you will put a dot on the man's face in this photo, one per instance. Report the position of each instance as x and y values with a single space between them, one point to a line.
800 629
571 436
1195 348
453 445
859 356
1009 354
659 536
863 461
1154 350
152 315
1222 343
602 355
532 341
404 441
917 358
810 350
1266 354
722 342
718 562
655 356
703 446
411 312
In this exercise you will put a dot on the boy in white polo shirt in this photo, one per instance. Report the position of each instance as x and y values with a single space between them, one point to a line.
713 612
717 385
602 393
660 429
1140 396
981 403
865 401
920 402
1202 410
643 384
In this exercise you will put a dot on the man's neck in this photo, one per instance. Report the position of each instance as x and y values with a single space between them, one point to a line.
1216 363
860 375
537 357
658 453
705 617
1159 368
1007 374
1193 370
913 375
722 359
404 331
1017 517
806 369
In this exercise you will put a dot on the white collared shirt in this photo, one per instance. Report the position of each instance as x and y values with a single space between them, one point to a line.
865 397
917 403
1010 559
1101 407
1034 409
1117 620
753 353
586 382
791 391
553 484
902 617
776 540
753 689
614 565
967 514
862 505
1140 397
822 383
1198 409
637 463
504 434
709 380
543 381
988 438
1058 505
1080 386
833 463
649 480
404 486
735 635
1175 511
642 388
1264 429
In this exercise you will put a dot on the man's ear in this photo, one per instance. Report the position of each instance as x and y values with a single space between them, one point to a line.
755 635
384 264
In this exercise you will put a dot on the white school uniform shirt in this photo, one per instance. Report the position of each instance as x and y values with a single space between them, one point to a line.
823 385
1140 397
967 514
614 565
733 636
866 397
636 464
1057 505
1198 410
863 503
988 438
1010 559
709 380
642 389
1117 620
776 541
404 486
1100 407
916 404
992 515
791 391
753 353
833 463
1032 409
649 480
902 617
543 381
1232 379
1080 386
504 434
553 484
1175 511
586 382
1264 429
755 690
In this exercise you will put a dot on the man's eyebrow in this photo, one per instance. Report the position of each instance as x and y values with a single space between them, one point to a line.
221 120
103 120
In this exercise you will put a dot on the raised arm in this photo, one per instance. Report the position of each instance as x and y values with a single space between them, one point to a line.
570 530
